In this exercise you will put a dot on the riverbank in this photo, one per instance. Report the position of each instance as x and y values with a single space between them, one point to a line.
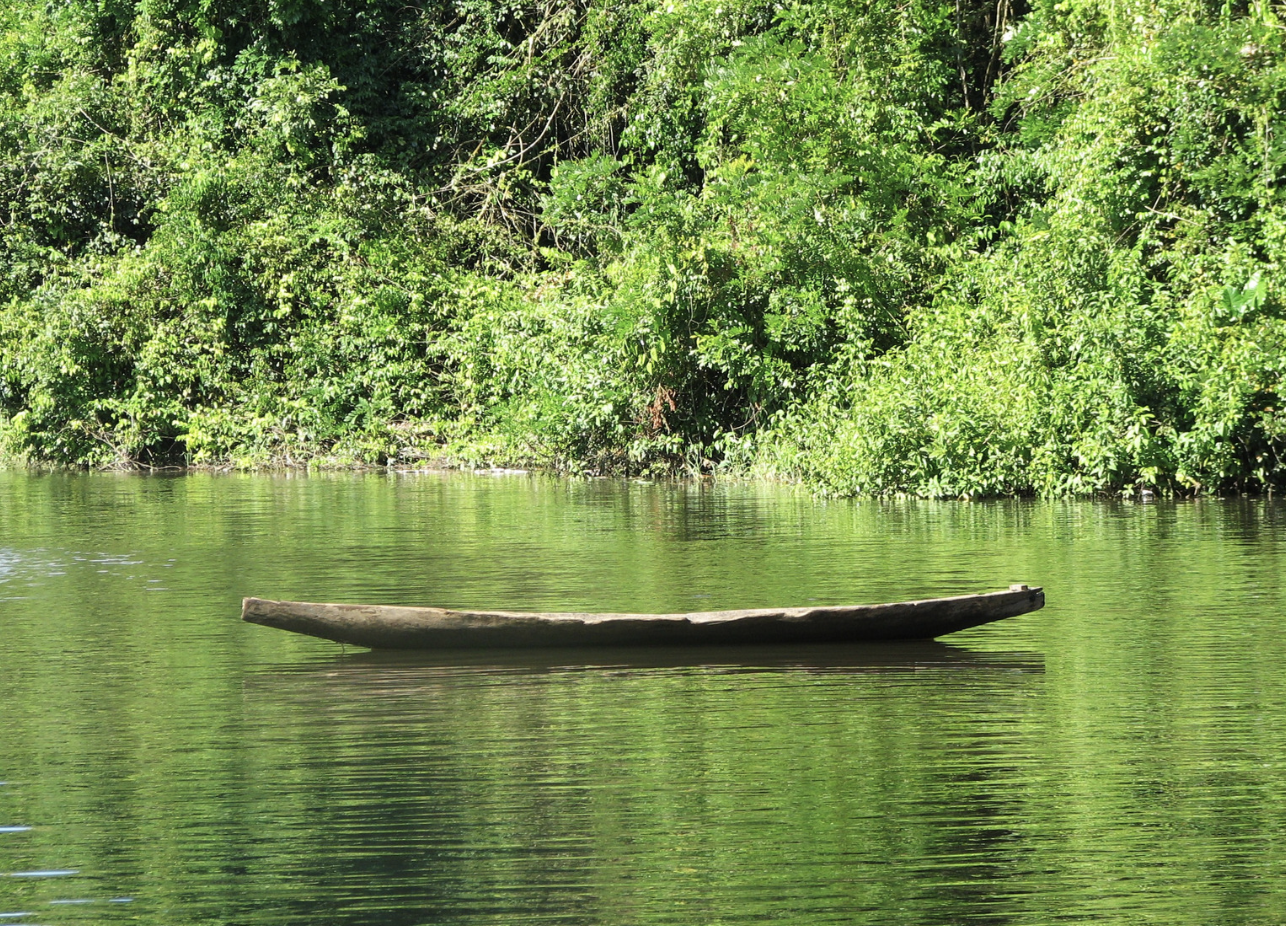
880 252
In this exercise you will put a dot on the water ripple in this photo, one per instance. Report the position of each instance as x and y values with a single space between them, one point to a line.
1115 758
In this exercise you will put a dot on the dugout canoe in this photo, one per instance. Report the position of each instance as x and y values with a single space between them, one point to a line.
390 627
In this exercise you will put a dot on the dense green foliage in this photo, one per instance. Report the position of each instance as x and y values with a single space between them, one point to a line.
941 249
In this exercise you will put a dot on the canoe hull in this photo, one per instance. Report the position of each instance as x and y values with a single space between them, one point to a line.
388 627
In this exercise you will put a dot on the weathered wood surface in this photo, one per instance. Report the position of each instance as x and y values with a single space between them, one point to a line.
388 627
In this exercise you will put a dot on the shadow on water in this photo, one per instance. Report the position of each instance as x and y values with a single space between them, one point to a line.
386 666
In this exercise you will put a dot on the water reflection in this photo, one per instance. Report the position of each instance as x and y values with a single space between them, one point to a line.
910 656
50 873
1113 758
577 785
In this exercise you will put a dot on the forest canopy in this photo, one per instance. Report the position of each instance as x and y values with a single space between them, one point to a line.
933 248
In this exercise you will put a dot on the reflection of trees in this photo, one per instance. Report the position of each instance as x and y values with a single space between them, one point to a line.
622 791
173 754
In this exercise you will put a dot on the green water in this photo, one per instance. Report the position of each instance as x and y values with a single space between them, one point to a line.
1119 757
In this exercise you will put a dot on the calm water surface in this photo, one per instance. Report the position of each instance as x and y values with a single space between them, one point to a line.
1119 757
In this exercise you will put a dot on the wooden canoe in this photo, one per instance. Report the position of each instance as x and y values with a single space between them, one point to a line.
387 627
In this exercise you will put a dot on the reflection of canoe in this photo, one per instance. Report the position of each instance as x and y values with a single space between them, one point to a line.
386 627
388 678
421 666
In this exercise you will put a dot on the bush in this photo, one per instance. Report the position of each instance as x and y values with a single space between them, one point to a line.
939 250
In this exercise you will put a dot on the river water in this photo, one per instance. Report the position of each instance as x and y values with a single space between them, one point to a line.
1119 757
